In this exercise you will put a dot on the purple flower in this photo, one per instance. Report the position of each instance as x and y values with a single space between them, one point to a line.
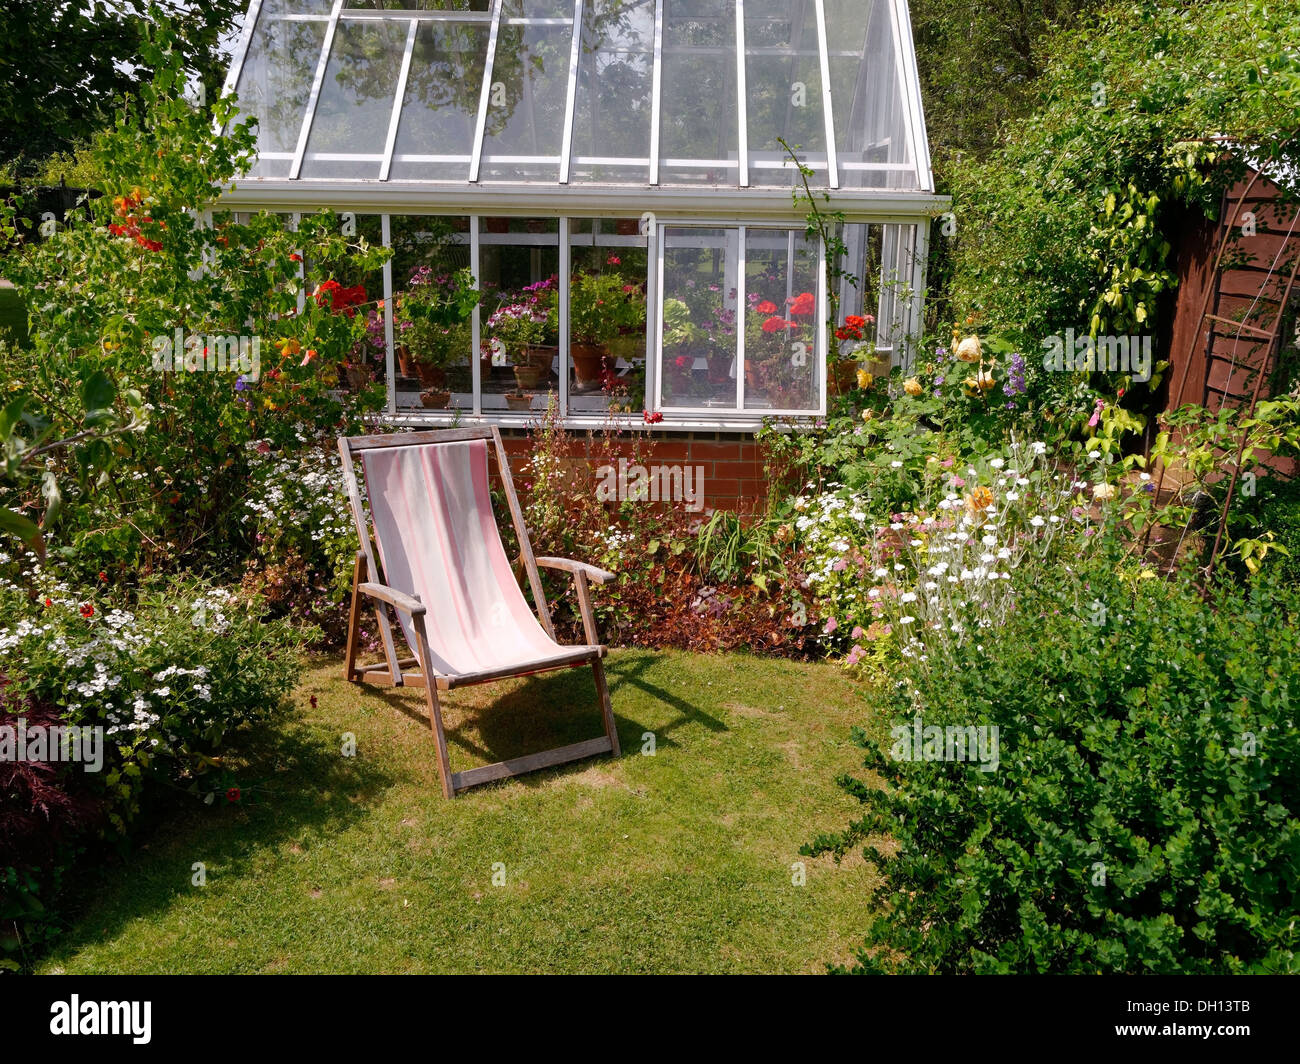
241 383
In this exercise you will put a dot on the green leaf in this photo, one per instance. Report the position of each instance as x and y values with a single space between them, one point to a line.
18 525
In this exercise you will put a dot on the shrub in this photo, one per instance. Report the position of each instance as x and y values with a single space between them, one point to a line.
172 678
1144 815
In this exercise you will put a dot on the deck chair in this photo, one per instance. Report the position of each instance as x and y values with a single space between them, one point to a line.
437 561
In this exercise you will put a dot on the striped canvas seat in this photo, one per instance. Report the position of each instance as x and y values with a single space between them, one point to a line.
438 540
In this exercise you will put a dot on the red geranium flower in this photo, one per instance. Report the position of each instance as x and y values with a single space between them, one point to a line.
87 610
49 602
804 303
232 795
766 307
651 417
682 362
776 324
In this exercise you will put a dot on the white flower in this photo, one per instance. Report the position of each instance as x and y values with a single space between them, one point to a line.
896 465
907 596
906 620
1102 492
998 463
1038 447
1036 521
1093 455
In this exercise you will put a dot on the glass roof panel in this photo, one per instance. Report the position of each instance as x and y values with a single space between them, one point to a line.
871 126
699 140
527 98
350 127
435 137
274 85
784 89
669 92
615 93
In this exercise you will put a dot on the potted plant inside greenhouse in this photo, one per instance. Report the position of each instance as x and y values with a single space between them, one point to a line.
596 302
433 320
526 327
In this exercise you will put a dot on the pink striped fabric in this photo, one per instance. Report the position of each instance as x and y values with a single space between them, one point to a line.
438 539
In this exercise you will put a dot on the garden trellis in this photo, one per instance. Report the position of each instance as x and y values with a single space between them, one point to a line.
557 137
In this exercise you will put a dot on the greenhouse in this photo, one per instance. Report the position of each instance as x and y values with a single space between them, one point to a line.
620 185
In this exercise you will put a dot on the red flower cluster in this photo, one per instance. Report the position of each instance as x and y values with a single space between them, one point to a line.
853 327
124 207
804 303
777 323
651 417
341 300
87 610
766 307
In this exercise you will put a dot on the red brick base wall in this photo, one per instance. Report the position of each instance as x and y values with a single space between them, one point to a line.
732 466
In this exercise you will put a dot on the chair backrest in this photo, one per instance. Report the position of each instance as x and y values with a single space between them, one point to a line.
437 538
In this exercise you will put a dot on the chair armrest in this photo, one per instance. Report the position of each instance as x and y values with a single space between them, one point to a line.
591 572
397 599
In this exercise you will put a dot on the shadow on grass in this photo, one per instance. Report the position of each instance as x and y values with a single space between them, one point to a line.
291 779
547 710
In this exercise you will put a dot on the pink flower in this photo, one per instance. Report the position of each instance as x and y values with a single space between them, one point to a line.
857 633
1096 414
831 625
840 565
854 656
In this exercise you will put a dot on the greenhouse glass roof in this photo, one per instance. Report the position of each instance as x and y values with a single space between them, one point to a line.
583 93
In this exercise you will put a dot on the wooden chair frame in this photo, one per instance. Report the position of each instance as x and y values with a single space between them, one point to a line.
368 583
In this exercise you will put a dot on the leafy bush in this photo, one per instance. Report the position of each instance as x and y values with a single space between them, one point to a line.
172 678
108 300
1144 815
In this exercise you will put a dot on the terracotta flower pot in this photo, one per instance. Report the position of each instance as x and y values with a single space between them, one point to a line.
842 377
405 362
627 226
519 401
588 361
435 399
432 376
528 377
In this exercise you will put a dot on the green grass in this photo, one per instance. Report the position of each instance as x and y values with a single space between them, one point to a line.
680 862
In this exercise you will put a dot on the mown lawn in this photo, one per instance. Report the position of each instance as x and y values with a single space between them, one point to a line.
678 862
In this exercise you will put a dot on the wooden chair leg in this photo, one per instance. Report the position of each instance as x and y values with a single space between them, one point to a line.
435 710
354 622
606 709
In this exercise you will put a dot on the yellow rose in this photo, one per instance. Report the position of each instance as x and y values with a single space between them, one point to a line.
865 379
969 349
912 386
868 414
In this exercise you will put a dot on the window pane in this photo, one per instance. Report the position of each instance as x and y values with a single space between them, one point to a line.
611 132
428 253
609 261
525 120
350 129
859 289
698 316
784 85
699 141
436 133
871 137
520 262
781 321
274 86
